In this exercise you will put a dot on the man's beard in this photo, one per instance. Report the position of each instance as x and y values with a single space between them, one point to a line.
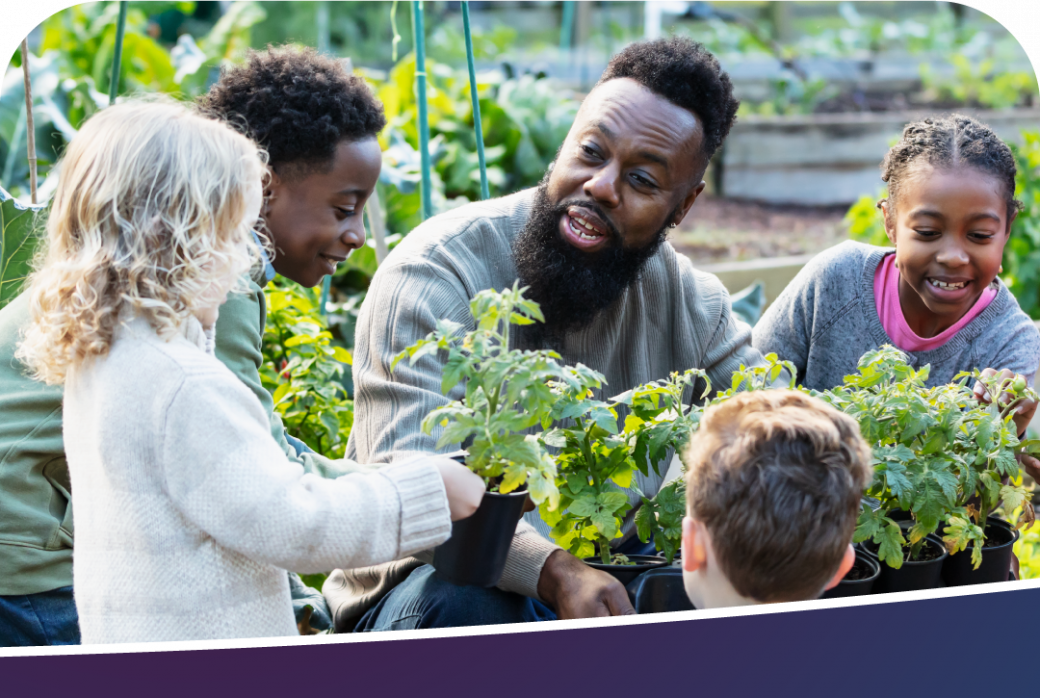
572 286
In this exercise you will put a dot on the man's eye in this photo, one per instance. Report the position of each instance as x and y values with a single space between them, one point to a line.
589 151
347 212
642 181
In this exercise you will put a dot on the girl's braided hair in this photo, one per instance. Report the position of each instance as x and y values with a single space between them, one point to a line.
951 141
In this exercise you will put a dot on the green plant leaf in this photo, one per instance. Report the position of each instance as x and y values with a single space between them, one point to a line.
21 231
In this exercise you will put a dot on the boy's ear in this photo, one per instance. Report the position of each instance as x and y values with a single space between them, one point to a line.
272 186
846 564
694 540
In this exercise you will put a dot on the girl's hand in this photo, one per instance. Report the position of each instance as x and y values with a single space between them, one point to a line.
464 488
1025 410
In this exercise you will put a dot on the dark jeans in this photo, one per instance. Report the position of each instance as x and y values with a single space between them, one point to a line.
48 618
425 601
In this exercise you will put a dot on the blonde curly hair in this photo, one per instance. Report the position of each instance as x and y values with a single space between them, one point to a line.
149 212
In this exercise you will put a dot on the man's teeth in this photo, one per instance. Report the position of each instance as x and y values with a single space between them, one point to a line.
587 226
947 286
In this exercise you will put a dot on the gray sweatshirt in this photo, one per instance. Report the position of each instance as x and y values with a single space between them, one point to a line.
826 319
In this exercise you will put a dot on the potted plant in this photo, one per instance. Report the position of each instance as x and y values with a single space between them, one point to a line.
595 463
989 478
507 393
937 451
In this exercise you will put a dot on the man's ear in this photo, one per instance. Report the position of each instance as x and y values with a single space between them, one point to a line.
694 540
684 208
846 564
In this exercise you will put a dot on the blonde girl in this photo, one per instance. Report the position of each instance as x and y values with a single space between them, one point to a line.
187 511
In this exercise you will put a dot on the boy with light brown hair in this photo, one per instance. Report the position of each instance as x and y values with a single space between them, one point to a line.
773 492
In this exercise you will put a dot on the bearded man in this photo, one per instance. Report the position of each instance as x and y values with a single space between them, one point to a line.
589 244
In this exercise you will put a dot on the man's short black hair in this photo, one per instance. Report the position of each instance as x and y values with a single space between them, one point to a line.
687 75
296 104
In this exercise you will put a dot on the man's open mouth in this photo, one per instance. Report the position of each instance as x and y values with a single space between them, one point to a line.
583 229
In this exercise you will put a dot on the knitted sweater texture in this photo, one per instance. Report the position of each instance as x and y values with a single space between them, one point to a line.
187 510
827 318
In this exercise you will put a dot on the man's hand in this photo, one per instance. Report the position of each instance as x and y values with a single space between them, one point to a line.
1023 413
576 590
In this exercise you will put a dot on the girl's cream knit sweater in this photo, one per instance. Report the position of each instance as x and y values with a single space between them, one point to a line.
187 512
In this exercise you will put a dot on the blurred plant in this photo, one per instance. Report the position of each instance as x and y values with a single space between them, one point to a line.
1027 548
979 83
1022 252
22 230
71 75
865 222
792 94
303 369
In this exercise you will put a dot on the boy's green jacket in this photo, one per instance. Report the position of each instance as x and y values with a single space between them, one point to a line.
36 530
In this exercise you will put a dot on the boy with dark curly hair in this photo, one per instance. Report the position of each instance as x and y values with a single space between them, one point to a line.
589 245
319 125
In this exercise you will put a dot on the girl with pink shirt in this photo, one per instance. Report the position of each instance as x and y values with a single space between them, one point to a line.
937 295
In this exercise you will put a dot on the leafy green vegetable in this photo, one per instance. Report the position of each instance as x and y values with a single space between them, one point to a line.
303 369
21 231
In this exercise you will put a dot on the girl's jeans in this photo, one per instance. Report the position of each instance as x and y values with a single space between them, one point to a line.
48 618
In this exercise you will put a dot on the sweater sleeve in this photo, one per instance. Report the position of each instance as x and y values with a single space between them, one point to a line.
1019 349
239 346
225 474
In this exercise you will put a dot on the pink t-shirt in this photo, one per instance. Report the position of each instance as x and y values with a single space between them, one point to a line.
886 297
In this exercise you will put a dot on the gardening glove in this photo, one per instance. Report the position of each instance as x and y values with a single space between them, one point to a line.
309 607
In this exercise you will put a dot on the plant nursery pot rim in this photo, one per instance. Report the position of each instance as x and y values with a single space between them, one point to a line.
643 563
872 564
929 540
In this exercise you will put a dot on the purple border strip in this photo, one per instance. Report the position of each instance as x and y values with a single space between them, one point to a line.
915 648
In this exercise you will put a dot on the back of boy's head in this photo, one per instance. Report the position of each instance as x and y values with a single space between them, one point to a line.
776 477
152 202
947 142
296 104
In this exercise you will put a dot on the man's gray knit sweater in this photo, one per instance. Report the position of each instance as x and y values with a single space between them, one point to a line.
671 319
827 318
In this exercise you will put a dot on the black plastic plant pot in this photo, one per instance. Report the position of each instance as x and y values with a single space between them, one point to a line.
996 557
660 590
860 579
914 574
626 573
475 555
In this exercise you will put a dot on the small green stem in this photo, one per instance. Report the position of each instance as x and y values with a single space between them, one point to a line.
604 550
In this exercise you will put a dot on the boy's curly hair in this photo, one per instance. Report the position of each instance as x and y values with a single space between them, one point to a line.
296 104
776 477
948 142
687 75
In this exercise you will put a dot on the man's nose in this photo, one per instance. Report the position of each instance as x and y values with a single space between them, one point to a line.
603 186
